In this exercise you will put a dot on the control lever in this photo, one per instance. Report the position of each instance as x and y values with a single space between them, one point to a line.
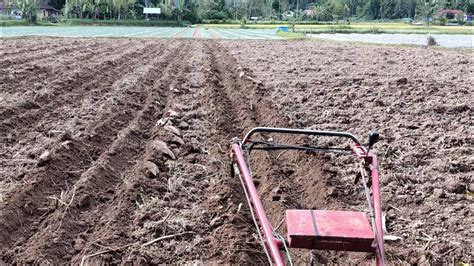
373 138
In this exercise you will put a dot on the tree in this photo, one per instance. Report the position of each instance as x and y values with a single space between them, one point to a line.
27 9
75 7
119 5
426 8
387 9
58 4
216 9
191 13
469 8
194 10
178 12
321 13
276 6
166 10
372 9
337 8
238 9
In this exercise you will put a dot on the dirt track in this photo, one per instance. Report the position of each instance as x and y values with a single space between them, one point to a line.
105 109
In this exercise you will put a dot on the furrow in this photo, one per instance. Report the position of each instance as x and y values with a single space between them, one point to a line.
67 165
94 187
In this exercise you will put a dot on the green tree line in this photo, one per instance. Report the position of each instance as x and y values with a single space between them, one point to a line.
197 10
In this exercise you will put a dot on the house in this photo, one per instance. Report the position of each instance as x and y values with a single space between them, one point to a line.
288 14
309 12
43 10
451 14
4 8
46 11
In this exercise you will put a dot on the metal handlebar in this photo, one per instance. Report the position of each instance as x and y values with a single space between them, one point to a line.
299 131
369 159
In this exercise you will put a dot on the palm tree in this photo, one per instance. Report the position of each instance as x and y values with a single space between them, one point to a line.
122 4
179 11
27 8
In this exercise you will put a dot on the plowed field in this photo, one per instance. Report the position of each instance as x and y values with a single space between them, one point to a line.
117 150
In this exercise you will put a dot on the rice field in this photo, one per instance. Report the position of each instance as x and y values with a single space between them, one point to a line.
154 32
360 27
443 40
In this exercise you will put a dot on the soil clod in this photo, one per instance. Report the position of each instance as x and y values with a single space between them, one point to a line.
44 158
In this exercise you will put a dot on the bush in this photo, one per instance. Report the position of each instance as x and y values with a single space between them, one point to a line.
442 21
192 15
375 30
343 27
8 23
243 23
216 15
262 22
99 22
431 41
33 17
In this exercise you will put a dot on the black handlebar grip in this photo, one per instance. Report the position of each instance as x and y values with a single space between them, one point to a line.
373 138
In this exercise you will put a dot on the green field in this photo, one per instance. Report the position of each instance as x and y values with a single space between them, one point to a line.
375 27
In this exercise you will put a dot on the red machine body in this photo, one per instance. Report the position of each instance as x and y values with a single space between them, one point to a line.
329 230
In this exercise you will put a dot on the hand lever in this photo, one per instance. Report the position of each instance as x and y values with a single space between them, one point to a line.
373 138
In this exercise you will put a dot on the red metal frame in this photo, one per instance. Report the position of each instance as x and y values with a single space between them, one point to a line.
372 160
273 243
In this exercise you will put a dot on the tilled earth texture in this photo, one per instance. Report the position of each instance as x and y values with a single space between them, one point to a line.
117 151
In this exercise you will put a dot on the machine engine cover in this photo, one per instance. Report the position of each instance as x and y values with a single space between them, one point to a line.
329 230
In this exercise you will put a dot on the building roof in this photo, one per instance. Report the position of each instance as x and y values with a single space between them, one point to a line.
45 5
452 11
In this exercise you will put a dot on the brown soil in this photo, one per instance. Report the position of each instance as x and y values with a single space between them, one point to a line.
110 144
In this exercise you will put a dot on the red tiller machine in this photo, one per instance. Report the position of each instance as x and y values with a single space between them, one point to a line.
315 229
